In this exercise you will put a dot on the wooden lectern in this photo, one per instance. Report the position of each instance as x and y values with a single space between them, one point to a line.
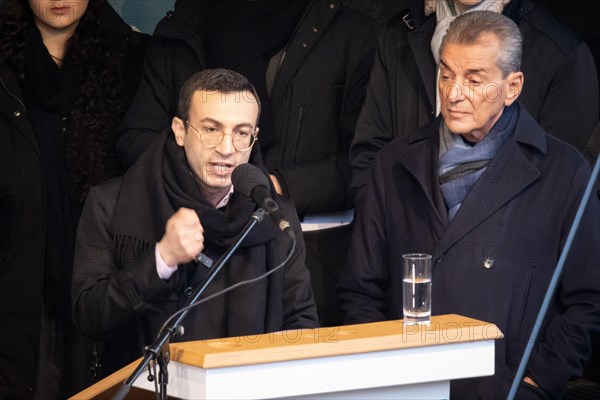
381 360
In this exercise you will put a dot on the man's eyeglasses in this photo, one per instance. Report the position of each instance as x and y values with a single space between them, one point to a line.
211 137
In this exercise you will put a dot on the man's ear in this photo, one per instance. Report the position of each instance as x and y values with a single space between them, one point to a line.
178 127
515 86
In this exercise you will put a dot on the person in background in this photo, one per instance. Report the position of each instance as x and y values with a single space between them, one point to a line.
492 197
310 62
140 235
562 93
67 73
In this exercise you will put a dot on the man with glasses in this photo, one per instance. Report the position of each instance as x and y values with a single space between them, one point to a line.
147 239
309 61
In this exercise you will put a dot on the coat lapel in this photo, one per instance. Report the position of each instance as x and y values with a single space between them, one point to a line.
418 160
508 175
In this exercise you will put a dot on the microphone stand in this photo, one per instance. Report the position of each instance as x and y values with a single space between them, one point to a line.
159 350
553 282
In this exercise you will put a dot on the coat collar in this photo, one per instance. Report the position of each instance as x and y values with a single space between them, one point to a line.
509 174
419 41
517 9
114 29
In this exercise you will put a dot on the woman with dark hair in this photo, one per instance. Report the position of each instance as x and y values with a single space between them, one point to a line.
67 73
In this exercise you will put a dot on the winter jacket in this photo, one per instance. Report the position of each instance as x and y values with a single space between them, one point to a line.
119 299
23 215
494 260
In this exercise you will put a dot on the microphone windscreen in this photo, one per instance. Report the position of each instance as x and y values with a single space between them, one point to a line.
246 177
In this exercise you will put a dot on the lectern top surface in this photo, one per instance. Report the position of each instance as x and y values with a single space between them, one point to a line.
323 342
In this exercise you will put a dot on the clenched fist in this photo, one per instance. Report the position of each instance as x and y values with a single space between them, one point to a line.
183 239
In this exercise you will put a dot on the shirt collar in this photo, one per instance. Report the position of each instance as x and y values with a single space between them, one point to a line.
225 199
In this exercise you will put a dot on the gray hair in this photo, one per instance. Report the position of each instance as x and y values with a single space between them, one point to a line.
468 28
214 80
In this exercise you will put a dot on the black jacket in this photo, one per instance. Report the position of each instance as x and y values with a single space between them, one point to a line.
560 89
23 215
493 261
119 298
317 96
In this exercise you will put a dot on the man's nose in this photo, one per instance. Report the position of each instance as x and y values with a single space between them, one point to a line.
226 145
456 93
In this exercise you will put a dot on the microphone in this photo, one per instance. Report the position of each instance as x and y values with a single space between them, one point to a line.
249 181
159 350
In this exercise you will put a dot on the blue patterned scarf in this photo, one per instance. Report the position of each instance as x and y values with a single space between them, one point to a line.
460 165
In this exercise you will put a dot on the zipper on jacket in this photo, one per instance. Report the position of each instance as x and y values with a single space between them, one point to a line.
298 133
287 45
12 95
95 361
281 59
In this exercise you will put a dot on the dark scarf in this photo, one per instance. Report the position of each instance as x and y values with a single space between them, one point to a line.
54 88
460 167
153 189
49 94
243 35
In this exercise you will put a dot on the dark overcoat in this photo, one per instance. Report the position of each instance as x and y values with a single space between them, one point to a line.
494 260
23 228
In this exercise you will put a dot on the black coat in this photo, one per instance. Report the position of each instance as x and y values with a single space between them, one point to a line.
119 298
516 219
317 96
560 89
23 215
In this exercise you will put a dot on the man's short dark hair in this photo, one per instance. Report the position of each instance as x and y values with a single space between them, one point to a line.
214 80
468 28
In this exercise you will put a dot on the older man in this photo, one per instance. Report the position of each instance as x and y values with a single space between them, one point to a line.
139 235
492 197
561 95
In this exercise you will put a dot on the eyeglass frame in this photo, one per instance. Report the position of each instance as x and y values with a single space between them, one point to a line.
223 133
